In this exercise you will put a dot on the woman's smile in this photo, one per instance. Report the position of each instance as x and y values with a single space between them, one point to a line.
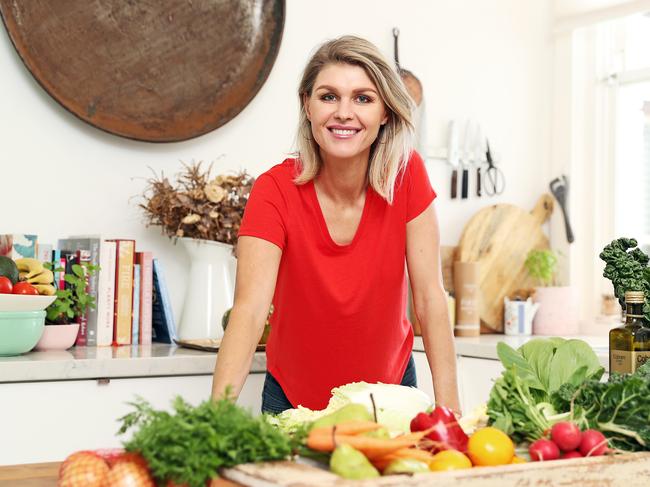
343 132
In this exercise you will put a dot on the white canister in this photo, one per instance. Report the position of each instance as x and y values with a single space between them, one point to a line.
518 316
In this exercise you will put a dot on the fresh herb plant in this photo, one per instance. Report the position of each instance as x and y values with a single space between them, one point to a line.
190 444
541 265
73 302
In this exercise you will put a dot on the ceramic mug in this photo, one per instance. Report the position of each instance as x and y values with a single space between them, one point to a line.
518 316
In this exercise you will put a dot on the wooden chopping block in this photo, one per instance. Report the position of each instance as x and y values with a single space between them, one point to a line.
500 237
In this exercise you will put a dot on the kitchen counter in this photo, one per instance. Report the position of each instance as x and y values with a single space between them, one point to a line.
157 360
485 346
160 360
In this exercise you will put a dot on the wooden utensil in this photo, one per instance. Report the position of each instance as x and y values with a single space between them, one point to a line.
153 71
413 85
500 237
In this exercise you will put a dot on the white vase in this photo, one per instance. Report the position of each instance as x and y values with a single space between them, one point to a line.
557 314
210 288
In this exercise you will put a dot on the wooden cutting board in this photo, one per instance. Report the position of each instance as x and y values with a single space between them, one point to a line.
152 71
500 237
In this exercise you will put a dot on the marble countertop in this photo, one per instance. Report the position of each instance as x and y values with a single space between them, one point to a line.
113 362
485 346
160 360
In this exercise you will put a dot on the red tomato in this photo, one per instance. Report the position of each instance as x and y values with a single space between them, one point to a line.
83 469
25 288
5 285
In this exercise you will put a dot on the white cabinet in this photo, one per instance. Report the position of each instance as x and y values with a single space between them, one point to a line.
423 373
476 378
46 421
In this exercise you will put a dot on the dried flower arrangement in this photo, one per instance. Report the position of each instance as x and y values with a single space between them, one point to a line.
198 206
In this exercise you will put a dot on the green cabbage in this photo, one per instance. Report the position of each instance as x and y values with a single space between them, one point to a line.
396 406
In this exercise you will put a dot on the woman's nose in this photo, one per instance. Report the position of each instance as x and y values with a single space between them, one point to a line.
344 110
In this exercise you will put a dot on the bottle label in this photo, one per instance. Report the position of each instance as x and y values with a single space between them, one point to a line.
640 358
624 362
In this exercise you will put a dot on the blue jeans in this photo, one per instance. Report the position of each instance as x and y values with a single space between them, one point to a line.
274 401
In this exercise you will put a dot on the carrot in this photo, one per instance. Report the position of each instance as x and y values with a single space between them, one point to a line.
370 447
348 428
382 462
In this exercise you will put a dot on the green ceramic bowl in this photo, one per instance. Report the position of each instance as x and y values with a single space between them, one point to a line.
20 331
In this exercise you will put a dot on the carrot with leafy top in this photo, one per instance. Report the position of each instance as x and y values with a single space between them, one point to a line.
348 428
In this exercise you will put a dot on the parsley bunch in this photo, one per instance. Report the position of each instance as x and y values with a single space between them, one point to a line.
191 443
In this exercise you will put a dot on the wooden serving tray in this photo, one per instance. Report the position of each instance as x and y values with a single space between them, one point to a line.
153 71
627 469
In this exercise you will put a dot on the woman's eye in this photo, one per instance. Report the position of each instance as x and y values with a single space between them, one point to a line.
364 99
328 97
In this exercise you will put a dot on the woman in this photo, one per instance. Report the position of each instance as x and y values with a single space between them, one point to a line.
325 238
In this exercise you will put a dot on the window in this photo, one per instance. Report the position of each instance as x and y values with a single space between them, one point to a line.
632 129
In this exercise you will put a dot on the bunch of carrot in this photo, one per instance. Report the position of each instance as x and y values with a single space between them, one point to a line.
380 451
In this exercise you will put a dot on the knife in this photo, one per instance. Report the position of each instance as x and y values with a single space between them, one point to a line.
452 157
466 159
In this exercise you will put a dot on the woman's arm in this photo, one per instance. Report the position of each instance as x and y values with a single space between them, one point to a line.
257 270
430 303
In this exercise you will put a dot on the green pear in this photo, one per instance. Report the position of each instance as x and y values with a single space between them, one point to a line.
406 465
349 412
350 463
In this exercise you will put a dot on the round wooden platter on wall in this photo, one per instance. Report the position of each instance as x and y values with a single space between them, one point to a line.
153 71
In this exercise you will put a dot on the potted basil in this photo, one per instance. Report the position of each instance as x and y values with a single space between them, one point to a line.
557 313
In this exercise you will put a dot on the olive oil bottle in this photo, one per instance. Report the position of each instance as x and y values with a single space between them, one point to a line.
629 345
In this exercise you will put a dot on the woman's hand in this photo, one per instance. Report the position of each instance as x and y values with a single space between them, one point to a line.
257 270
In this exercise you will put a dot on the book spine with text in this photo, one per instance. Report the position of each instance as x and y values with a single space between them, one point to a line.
146 295
125 253
106 294
135 322
163 324
92 245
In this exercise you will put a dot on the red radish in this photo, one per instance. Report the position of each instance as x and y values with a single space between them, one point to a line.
571 454
566 435
593 443
543 450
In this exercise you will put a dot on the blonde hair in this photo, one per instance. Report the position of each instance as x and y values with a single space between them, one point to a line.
391 150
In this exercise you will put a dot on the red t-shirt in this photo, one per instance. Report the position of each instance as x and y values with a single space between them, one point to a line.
340 310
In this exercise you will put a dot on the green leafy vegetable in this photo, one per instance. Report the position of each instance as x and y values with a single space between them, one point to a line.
619 408
541 265
191 443
520 401
627 268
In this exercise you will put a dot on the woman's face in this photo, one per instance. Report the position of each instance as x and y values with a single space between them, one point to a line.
345 111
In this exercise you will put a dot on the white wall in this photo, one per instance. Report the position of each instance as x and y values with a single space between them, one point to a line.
489 60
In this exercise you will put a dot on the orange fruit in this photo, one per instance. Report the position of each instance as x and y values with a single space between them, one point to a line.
490 446
517 459
449 460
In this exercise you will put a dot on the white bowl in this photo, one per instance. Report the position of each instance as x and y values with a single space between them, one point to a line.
58 337
24 302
